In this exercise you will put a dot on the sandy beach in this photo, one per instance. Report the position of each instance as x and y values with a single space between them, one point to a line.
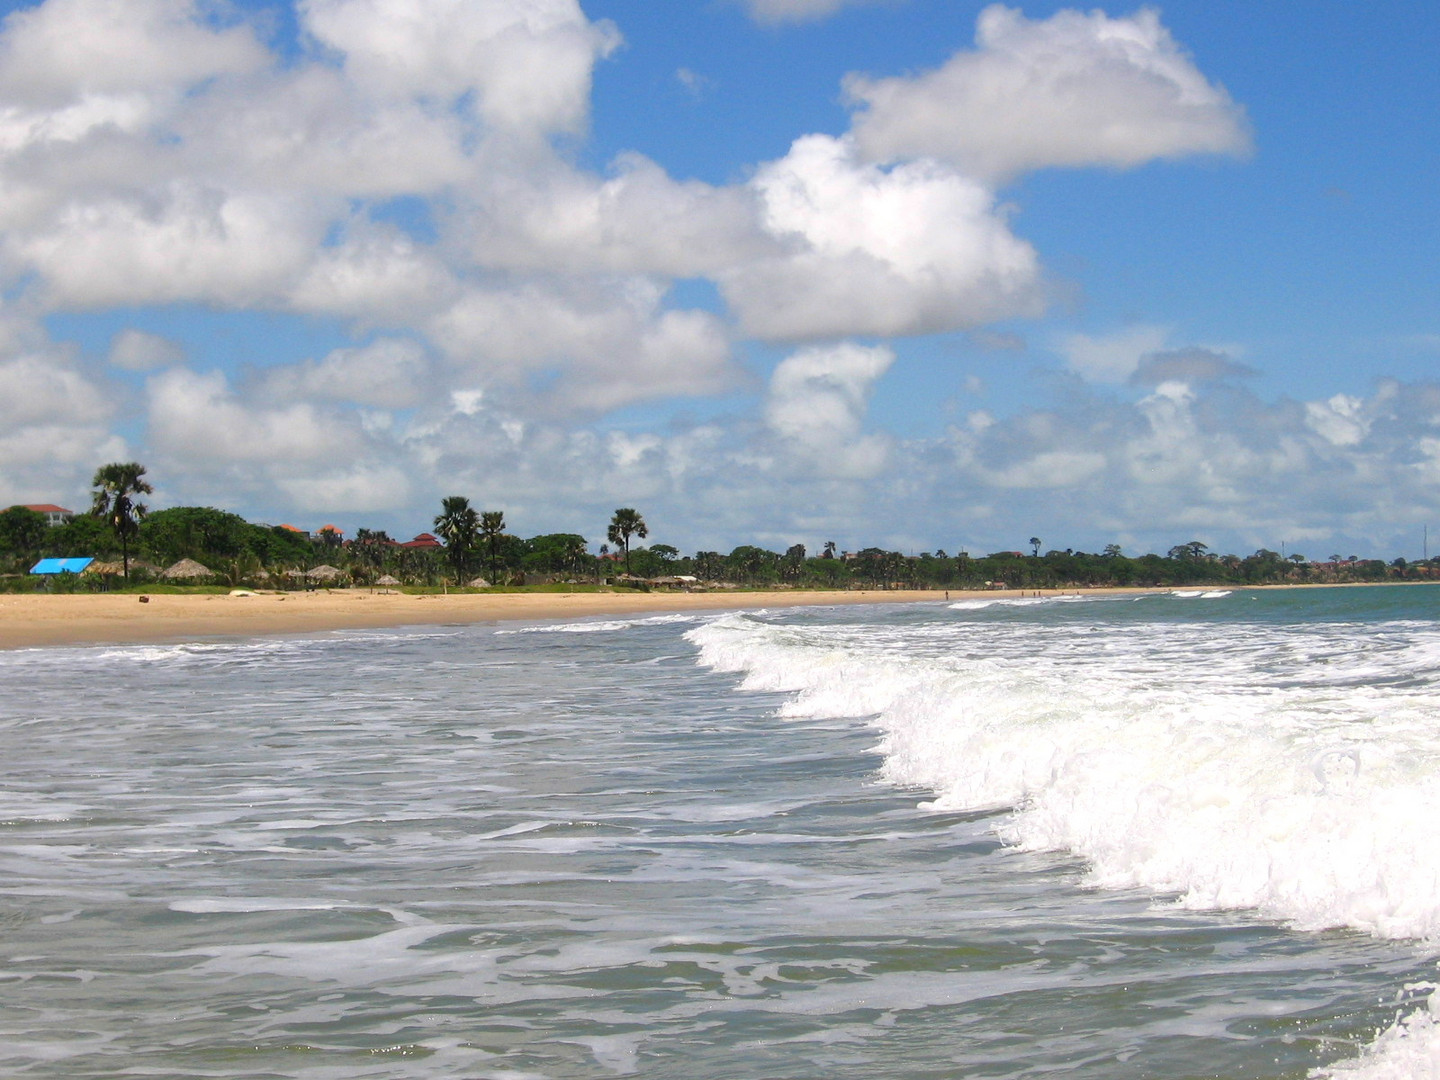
28 621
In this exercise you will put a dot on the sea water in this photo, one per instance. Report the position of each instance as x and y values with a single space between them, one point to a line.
1174 835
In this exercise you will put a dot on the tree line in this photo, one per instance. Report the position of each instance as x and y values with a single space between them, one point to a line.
478 550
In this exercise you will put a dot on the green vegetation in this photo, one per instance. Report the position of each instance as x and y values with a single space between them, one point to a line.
625 524
23 532
492 528
240 553
116 486
457 525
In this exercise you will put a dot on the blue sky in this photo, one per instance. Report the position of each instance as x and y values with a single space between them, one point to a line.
914 273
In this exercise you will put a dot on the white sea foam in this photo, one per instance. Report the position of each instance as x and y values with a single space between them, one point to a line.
227 905
981 603
1285 772
602 626
1408 1050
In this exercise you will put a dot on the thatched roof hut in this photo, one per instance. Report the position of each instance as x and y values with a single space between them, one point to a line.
186 569
477 583
118 567
386 579
325 573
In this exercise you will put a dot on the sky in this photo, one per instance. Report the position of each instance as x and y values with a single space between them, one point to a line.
917 274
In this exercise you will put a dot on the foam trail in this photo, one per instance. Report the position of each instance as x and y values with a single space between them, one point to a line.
981 603
600 626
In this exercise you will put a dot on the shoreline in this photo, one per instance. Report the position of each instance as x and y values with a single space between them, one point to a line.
30 621
37 621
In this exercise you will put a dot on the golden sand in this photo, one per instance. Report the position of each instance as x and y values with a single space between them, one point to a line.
34 620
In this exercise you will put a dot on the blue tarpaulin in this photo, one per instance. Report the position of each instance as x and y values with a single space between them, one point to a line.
60 566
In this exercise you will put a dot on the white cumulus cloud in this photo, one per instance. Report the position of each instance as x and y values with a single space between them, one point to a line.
390 373
526 63
613 343
1072 90
817 403
63 52
198 418
912 249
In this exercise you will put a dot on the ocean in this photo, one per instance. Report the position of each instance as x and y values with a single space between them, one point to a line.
1179 835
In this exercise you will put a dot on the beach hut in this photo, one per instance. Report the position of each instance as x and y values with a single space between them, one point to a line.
186 570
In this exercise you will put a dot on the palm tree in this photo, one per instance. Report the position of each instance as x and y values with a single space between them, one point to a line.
1035 545
115 486
625 524
457 526
492 527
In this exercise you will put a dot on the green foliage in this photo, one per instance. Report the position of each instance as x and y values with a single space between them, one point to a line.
555 553
370 553
458 525
492 528
510 552
277 546
646 563
116 486
751 565
81 537
626 523
195 532
22 534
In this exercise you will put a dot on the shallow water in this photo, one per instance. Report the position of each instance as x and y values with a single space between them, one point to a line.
575 851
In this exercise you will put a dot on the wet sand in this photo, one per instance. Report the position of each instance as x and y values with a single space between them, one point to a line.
28 621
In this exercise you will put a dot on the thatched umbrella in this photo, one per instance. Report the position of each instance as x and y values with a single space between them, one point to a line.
477 583
387 580
326 573
186 569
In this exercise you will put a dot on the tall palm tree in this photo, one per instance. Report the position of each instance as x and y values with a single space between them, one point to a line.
492 527
457 525
625 524
115 486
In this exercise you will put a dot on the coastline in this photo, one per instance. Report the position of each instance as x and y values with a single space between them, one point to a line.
39 620
33 621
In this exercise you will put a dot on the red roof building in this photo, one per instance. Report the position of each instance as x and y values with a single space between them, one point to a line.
424 540
54 515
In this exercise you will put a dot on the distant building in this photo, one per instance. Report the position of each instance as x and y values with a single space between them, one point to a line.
54 515
424 540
